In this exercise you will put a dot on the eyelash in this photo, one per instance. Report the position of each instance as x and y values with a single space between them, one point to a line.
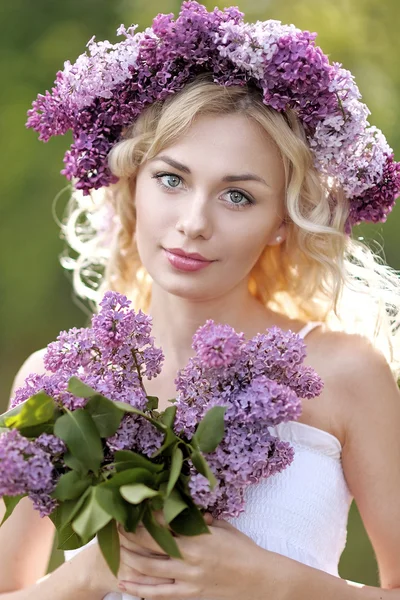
158 177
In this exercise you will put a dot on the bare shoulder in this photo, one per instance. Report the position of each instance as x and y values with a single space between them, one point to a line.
358 381
33 364
361 385
352 357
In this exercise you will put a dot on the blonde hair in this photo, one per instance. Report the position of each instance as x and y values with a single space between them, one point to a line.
318 273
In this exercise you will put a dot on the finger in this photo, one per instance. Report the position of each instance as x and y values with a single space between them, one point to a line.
142 538
159 517
169 591
130 570
132 576
162 568
208 518
133 547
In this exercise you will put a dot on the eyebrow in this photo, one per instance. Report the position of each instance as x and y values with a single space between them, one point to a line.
228 178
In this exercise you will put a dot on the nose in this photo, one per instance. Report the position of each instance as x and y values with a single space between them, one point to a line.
194 219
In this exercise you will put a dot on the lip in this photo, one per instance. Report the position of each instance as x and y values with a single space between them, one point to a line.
194 255
186 263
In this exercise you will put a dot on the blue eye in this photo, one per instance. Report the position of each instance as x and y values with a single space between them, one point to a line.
236 197
168 180
171 181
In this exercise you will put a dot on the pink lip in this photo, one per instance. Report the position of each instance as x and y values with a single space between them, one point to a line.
186 263
181 252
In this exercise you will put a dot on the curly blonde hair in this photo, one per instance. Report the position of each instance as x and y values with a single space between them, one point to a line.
318 273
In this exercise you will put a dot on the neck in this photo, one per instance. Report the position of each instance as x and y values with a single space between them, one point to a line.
175 319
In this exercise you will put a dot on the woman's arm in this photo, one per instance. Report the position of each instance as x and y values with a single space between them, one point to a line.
25 538
25 547
370 400
85 577
26 541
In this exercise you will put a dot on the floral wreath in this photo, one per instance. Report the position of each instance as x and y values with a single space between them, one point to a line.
108 87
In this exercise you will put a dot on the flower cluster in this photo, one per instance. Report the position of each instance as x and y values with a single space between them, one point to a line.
108 87
26 467
112 357
261 382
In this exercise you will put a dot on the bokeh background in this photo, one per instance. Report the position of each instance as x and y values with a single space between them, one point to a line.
36 300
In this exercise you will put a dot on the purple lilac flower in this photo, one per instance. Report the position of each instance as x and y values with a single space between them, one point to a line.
244 457
112 357
136 433
108 86
51 444
43 502
261 387
217 345
264 400
25 468
54 384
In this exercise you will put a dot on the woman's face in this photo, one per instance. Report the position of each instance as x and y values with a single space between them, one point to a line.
217 191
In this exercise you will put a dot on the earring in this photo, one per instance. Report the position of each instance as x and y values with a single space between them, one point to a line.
278 239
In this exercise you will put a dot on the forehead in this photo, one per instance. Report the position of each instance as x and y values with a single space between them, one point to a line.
225 144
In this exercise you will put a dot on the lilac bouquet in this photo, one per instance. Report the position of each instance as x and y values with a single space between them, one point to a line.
91 449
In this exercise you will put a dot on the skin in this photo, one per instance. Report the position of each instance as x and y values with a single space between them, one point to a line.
183 200
196 211
360 397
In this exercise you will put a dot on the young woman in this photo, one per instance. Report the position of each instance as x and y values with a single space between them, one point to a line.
231 161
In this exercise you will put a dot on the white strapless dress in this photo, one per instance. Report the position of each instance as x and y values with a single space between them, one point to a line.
301 512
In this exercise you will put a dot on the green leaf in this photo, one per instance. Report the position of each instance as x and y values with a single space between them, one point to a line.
109 545
106 416
37 409
91 518
168 416
156 503
68 509
176 467
161 478
169 439
161 534
126 459
36 430
10 503
152 403
173 505
135 493
77 429
210 431
110 500
73 463
189 521
135 515
71 485
10 413
80 389
203 467
129 476
130 409
67 539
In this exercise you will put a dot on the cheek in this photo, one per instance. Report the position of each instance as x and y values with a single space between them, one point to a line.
148 214
153 221
246 244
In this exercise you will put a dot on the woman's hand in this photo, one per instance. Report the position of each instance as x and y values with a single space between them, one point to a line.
94 577
223 564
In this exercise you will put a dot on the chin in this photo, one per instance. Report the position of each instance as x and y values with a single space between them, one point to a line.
190 288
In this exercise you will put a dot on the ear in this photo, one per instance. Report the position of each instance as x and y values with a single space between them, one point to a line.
279 235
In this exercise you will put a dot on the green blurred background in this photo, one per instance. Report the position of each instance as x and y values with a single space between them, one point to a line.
36 300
